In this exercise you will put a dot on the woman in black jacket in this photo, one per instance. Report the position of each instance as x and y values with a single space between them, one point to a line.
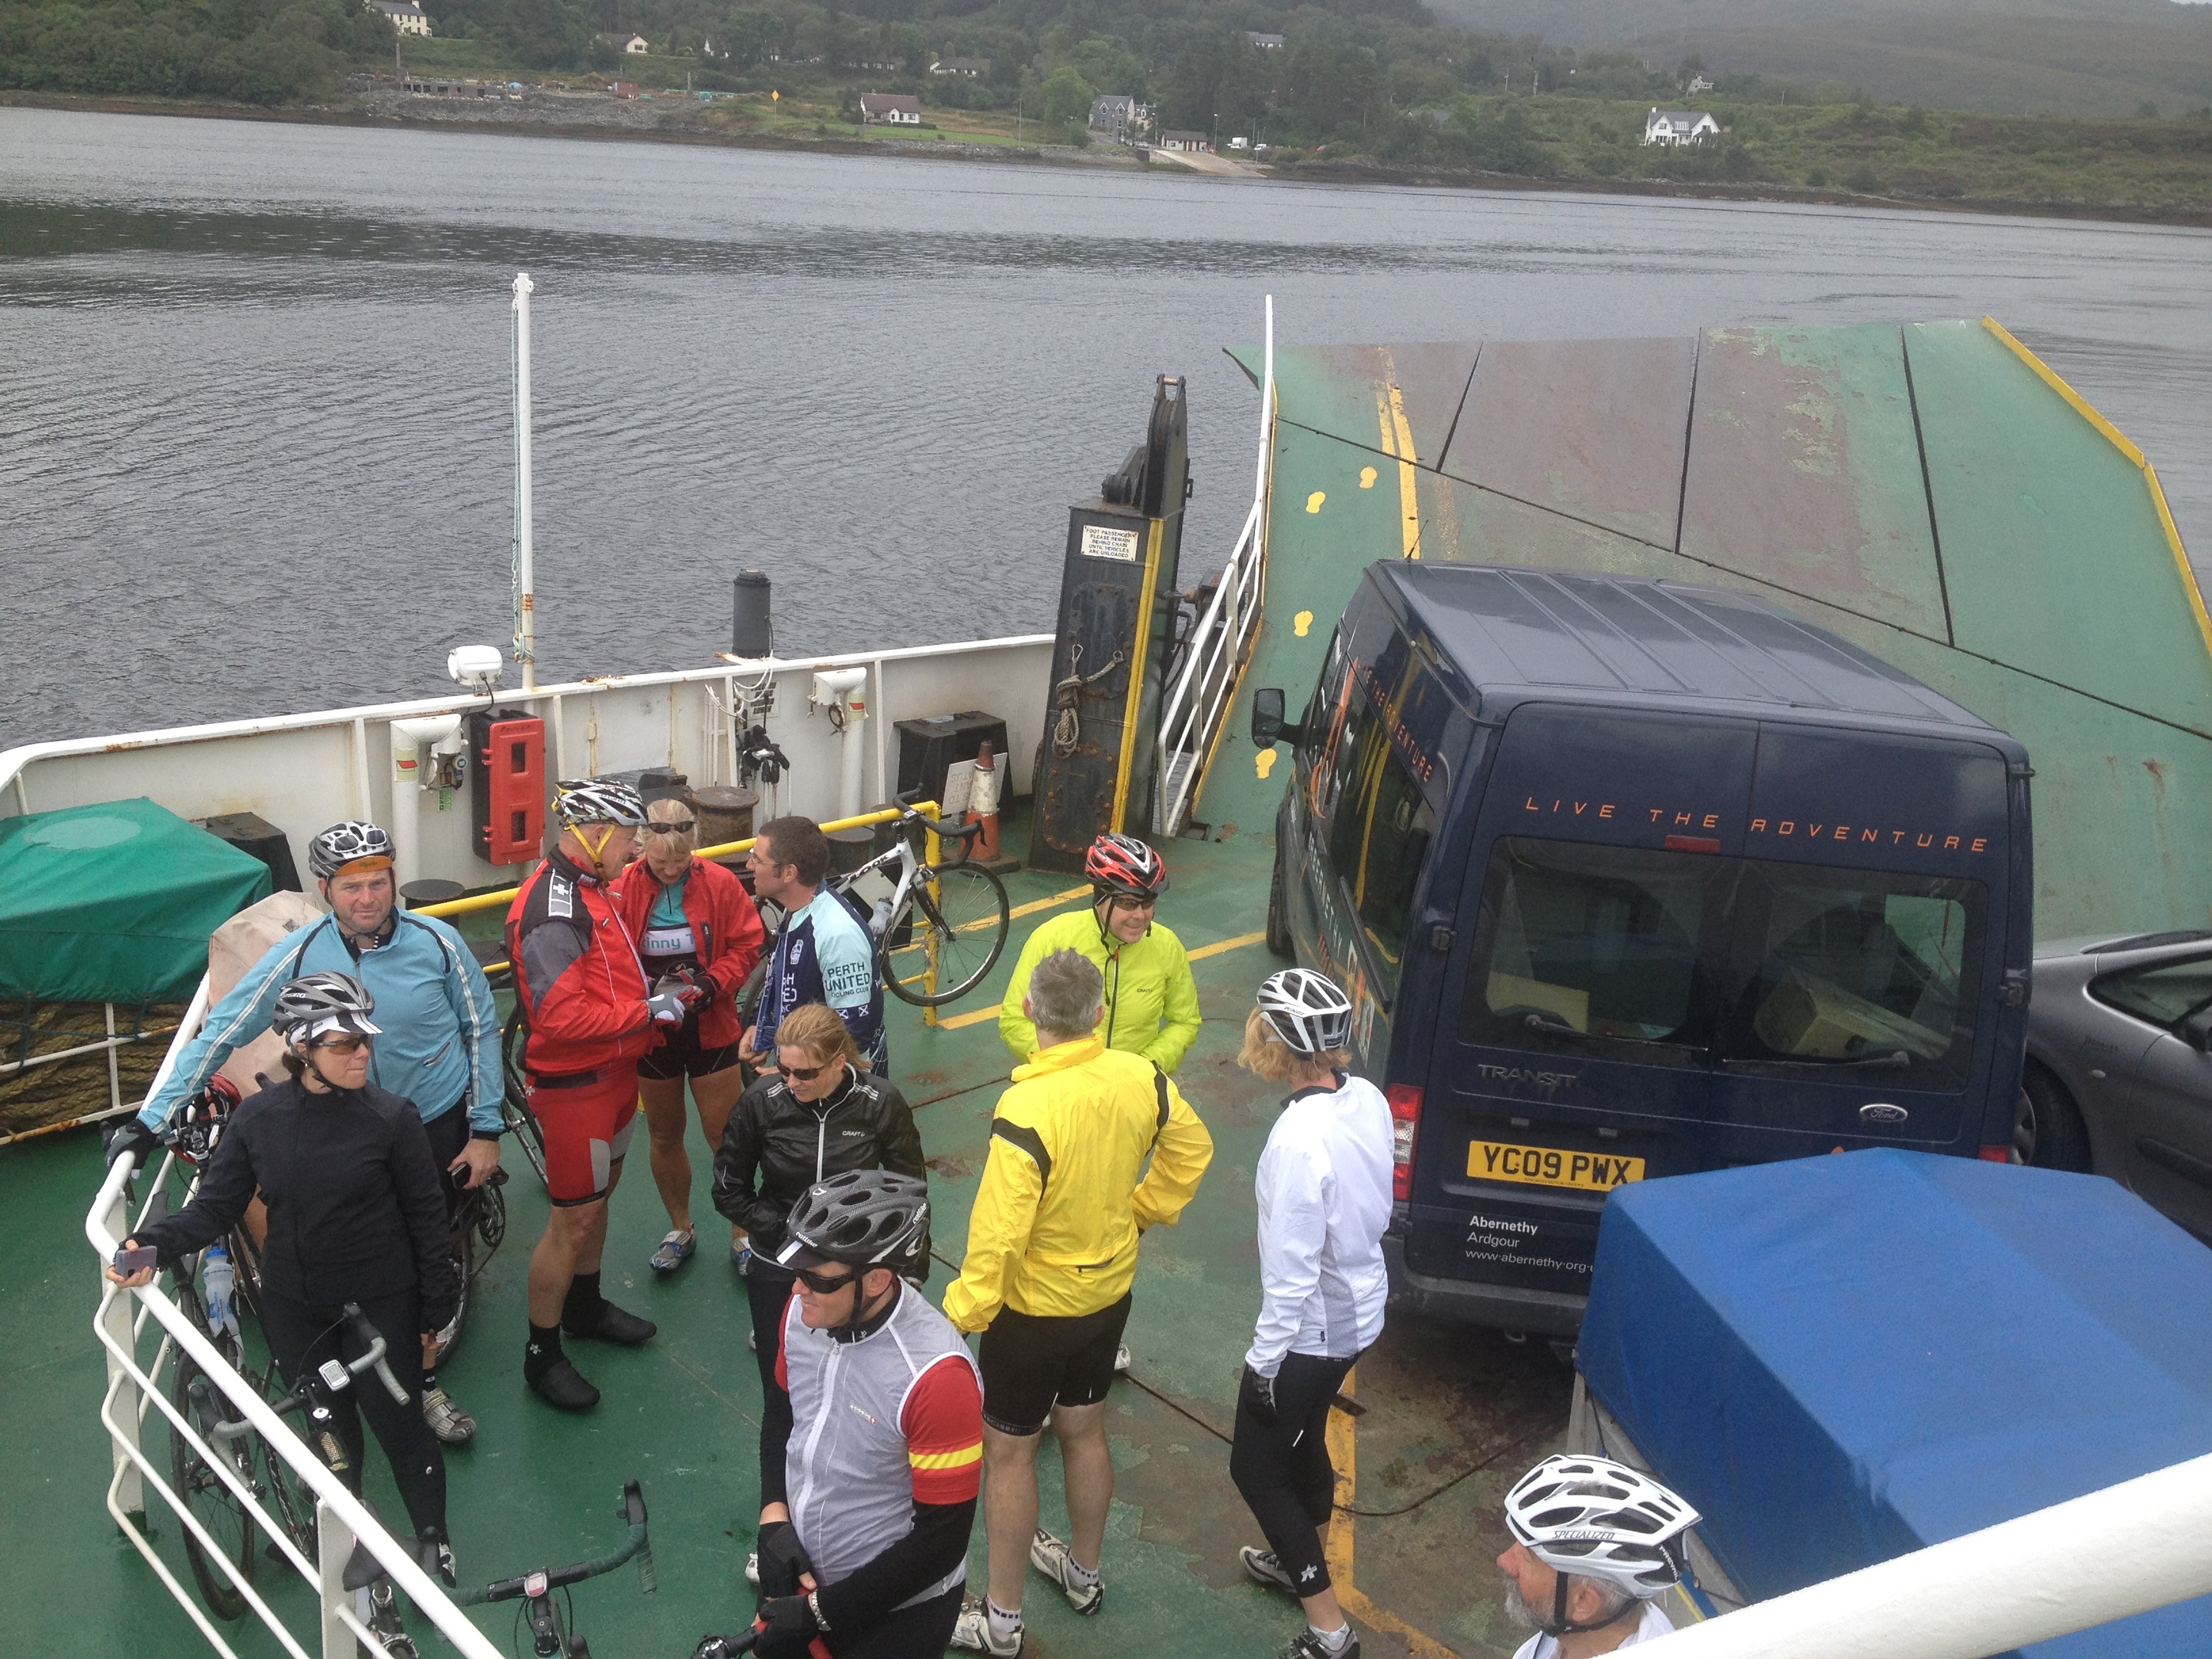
356 1213
815 1114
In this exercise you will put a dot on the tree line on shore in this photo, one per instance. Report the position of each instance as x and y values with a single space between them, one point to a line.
1375 80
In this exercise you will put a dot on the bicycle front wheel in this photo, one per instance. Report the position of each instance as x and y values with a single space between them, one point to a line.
963 922
199 1484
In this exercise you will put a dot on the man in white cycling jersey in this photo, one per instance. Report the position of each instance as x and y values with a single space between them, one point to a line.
1595 1541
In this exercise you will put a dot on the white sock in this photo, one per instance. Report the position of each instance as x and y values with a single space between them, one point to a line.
1084 1577
1334 1640
1005 1625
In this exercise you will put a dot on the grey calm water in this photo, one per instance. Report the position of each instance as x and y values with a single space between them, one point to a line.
254 438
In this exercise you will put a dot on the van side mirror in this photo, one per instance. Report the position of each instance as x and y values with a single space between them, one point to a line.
1268 726
2196 1031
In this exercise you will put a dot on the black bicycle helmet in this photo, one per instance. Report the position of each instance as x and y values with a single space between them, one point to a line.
354 842
316 1005
861 1218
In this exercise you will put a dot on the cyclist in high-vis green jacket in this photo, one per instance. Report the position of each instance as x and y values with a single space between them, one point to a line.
1151 1000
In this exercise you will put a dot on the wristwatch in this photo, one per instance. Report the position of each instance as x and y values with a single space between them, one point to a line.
815 1607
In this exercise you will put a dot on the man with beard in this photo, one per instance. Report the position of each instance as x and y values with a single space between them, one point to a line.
1594 1542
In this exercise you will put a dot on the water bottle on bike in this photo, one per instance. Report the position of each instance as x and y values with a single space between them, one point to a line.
219 1288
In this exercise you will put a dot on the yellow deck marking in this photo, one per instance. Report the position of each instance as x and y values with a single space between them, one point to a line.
2118 440
976 1018
1220 945
1398 441
1344 1454
1301 623
1313 501
1367 478
1052 903
1263 762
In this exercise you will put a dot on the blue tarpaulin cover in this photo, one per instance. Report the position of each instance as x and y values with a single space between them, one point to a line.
1839 1360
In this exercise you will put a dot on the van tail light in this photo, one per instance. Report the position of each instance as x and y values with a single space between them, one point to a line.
1996 1154
1405 1123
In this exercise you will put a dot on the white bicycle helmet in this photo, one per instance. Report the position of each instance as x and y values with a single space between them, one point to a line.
1306 1010
1599 1519
349 843
593 801
316 1005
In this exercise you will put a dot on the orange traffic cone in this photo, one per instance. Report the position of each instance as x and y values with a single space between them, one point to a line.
984 806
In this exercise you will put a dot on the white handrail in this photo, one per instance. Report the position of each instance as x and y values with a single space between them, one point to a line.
2145 1543
1195 706
120 1416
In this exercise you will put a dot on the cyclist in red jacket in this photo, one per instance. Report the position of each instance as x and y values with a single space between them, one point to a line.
694 925
591 1016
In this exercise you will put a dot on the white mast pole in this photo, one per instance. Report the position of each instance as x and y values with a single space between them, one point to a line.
526 597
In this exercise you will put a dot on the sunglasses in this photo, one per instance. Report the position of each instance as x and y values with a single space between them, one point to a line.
1123 901
800 1073
821 1285
341 1045
657 828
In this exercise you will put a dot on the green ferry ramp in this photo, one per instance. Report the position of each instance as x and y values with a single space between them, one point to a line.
1931 492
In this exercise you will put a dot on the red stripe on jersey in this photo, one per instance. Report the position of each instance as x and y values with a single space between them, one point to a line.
943 1426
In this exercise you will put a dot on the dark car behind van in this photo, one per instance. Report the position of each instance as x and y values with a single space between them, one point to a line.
1628 879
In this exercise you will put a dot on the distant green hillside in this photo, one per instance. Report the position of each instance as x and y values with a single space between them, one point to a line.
2069 57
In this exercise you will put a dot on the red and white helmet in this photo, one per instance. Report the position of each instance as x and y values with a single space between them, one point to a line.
1599 1519
1124 865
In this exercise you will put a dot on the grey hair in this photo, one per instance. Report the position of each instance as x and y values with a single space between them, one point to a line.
1066 994
1617 1601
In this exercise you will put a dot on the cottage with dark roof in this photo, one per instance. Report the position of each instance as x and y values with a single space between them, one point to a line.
896 109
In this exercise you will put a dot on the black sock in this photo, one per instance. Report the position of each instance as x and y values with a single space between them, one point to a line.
429 1381
543 1352
582 1309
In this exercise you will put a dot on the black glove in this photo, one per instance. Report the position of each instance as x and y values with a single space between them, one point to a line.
134 1138
722 1647
792 1627
1256 1394
782 1559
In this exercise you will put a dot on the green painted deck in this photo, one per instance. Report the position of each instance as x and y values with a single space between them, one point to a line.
1452 1416
1931 493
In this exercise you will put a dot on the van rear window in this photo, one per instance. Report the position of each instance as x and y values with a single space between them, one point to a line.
1593 942
1856 967
1379 838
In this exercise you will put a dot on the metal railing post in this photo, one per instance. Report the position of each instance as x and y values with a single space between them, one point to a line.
116 1320
334 1547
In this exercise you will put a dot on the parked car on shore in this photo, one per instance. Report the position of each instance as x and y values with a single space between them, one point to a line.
2119 1067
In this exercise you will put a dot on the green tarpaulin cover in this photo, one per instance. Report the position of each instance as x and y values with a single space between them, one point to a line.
114 902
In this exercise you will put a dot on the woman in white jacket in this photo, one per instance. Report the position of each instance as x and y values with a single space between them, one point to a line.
1324 1199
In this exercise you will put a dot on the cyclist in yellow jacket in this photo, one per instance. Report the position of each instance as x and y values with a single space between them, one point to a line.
1151 1000
1052 1253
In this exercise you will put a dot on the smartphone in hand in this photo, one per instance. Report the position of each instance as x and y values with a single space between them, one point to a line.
130 1261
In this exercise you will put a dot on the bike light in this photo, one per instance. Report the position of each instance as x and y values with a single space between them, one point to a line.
1405 1123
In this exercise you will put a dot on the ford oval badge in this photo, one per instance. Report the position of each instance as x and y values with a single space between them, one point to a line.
1881 1114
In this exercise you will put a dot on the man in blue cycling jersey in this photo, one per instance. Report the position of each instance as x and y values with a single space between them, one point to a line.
440 1041
822 953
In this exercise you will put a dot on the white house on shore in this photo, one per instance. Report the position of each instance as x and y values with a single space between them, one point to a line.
1679 127
1190 144
623 41
1117 117
403 15
896 109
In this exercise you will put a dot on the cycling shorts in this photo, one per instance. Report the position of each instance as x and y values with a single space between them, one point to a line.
586 1118
680 1055
1030 1363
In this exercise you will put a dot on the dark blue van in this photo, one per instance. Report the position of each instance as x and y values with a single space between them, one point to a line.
1628 879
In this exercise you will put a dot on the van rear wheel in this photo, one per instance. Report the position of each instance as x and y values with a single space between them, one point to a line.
1278 922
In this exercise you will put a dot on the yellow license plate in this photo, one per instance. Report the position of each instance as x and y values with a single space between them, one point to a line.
1539 1166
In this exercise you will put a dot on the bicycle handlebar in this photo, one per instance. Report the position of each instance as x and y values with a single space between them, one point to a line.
944 831
302 1391
635 1543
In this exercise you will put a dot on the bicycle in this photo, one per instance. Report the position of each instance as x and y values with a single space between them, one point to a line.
374 1601
479 1224
231 1269
515 1105
550 1624
959 910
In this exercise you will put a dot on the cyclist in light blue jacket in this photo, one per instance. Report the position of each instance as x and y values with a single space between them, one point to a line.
440 1038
